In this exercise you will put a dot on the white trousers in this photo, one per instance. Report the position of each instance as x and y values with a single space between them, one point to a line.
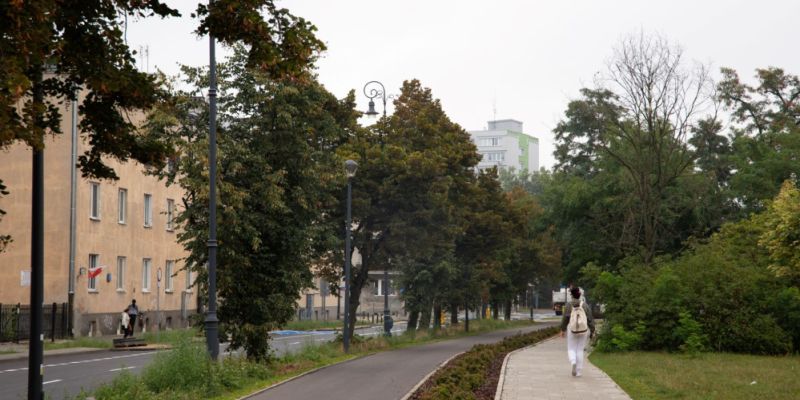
576 342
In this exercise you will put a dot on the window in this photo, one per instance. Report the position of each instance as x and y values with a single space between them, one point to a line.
169 270
94 260
493 141
146 275
494 156
94 212
148 210
188 280
170 214
122 204
121 274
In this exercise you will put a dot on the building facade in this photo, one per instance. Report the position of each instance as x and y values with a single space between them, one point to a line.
320 303
122 230
504 145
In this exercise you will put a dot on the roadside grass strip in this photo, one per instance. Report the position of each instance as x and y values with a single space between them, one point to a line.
652 375
475 373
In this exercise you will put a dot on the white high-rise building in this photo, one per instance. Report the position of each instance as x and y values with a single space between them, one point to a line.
504 145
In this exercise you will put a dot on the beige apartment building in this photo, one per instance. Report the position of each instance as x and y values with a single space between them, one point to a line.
124 226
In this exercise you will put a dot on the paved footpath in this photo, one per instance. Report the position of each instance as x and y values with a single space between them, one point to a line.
387 375
543 372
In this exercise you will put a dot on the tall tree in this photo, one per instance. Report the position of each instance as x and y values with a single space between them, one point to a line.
410 166
662 101
781 237
279 183
766 133
54 48
629 140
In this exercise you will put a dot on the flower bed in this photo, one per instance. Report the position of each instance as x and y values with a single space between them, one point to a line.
474 374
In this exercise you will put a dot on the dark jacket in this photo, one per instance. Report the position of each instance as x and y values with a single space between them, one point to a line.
568 311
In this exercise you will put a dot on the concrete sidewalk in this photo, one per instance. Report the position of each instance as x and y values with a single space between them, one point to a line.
543 372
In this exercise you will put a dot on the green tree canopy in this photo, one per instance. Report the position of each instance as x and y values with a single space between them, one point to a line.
279 178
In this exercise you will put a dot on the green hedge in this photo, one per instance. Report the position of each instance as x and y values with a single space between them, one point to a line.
464 375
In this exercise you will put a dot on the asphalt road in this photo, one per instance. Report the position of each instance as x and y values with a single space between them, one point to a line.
387 375
67 374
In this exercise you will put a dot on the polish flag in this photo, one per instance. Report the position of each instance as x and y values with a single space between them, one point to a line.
93 272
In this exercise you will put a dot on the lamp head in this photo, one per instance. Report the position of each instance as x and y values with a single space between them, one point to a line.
371 111
350 168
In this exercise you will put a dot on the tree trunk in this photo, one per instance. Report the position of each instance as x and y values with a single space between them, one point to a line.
507 310
413 318
454 314
425 318
466 317
358 281
495 310
437 316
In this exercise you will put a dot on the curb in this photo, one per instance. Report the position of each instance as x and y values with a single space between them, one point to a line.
501 380
285 381
149 347
73 350
425 379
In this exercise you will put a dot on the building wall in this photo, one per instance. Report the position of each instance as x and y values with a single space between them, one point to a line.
16 173
93 309
520 150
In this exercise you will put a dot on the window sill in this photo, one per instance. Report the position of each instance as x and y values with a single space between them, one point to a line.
122 222
121 291
169 291
95 218
148 226
145 291
170 230
188 291
93 291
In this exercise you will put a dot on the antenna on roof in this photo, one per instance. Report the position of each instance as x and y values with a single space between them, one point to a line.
494 108
144 58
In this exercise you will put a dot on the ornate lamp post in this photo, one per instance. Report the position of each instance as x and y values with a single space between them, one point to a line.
373 90
350 168
211 321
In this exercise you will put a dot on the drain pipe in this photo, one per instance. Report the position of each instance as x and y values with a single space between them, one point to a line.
72 216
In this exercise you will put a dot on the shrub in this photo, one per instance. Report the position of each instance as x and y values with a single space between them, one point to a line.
718 295
690 334
616 338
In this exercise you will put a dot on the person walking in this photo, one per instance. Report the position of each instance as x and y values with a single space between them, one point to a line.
578 324
126 322
133 312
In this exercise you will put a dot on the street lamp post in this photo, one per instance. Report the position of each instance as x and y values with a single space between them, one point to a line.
373 90
350 167
211 321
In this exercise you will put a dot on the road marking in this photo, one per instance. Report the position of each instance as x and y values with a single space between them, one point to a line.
294 343
85 361
120 369
53 381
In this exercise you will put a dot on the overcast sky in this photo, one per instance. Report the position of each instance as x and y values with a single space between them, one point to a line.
526 59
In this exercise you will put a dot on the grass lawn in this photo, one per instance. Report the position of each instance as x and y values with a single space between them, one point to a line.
78 342
312 325
646 375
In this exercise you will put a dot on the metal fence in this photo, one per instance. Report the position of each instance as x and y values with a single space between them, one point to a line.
15 322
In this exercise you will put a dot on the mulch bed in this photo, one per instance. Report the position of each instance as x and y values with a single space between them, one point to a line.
489 387
432 388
